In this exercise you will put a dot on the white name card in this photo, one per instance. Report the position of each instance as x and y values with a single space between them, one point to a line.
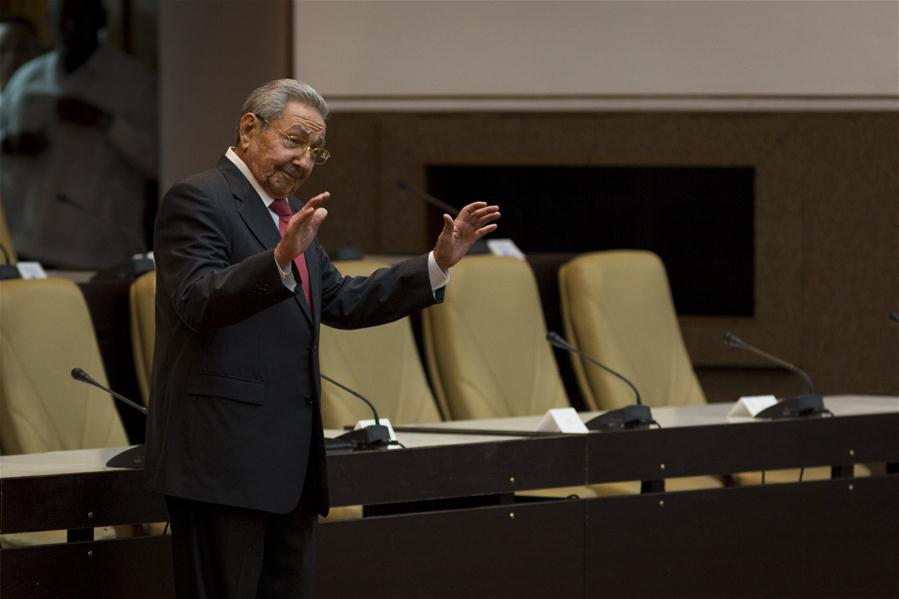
384 422
504 247
752 405
561 420
31 270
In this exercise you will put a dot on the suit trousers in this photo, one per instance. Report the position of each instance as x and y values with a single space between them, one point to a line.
225 552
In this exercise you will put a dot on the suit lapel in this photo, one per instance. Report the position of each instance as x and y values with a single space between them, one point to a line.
250 206
258 218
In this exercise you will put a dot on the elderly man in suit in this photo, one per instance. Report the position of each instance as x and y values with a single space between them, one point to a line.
234 436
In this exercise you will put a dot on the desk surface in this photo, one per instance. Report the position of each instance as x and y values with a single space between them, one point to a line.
671 417
94 460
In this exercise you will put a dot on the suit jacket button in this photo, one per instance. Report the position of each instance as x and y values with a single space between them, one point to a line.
308 398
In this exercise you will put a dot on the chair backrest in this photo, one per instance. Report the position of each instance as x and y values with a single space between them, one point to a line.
142 298
5 237
486 344
381 363
617 307
45 331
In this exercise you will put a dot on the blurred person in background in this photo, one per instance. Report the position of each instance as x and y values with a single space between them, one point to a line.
78 140
18 45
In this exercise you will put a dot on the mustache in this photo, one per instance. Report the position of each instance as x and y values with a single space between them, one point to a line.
293 172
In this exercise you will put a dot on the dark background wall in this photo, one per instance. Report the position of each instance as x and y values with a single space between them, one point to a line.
826 208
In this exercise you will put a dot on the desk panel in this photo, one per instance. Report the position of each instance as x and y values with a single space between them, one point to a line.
462 470
86 500
740 447
138 568
516 551
817 539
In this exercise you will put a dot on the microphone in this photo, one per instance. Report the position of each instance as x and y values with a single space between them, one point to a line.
808 404
130 458
479 247
140 263
894 316
629 417
7 269
369 437
437 202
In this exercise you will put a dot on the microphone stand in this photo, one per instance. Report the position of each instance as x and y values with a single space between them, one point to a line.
631 417
369 437
479 247
130 458
807 404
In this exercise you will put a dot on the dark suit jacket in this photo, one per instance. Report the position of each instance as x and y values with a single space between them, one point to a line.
234 406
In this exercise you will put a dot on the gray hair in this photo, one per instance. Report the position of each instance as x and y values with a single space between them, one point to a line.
270 100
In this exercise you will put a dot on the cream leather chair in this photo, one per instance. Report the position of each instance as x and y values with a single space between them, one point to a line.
381 363
617 307
142 298
486 344
45 331
487 352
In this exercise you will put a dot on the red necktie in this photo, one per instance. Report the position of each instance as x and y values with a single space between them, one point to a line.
282 209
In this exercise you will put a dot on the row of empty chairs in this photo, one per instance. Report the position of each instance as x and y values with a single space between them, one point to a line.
485 347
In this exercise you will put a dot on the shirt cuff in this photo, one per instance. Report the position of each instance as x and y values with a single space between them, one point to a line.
439 277
287 278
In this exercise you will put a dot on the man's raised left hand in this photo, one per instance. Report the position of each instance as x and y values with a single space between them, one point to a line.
459 234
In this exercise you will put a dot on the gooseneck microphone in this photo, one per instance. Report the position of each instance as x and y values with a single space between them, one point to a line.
479 247
80 375
636 416
807 404
369 437
437 202
130 458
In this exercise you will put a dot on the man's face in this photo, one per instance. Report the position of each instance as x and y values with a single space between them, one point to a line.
277 163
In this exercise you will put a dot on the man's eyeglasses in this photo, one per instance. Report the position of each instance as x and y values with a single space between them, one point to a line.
291 142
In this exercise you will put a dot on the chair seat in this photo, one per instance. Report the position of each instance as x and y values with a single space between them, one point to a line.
791 475
51 537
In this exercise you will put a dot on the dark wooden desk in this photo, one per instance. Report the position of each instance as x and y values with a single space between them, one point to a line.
834 538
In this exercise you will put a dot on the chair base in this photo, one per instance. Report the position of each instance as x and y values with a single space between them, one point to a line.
370 437
795 407
633 417
130 458
7 271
